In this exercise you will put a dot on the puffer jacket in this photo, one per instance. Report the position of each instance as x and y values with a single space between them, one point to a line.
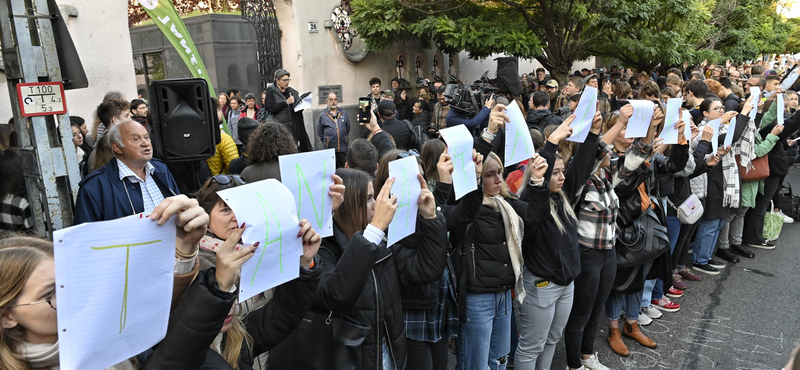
225 154
362 281
333 129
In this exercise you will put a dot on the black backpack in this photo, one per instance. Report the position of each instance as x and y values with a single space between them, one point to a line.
418 135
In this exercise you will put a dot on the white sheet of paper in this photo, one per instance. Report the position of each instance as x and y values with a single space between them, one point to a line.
641 118
303 104
729 134
755 95
670 132
459 147
268 209
687 119
519 145
406 188
715 137
308 177
781 108
114 289
584 114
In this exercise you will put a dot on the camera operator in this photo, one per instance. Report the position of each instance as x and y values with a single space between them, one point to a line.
464 108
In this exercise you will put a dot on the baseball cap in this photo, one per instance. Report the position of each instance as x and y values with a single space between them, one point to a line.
389 93
552 83
386 108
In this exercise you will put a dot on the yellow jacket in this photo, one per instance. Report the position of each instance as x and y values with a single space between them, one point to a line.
226 152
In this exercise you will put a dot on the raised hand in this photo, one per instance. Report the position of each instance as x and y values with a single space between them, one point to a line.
230 259
385 206
597 122
729 115
498 118
445 168
539 167
311 242
336 192
191 221
478 159
426 203
562 132
708 133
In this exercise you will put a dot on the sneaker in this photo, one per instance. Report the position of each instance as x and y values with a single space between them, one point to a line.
716 264
765 245
743 251
674 293
650 312
687 274
593 363
643 319
786 219
706 269
728 255
666 305
677 282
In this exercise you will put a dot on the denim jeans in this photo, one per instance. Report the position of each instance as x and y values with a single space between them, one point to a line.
541 316
484 340
731 233
706 240
617 302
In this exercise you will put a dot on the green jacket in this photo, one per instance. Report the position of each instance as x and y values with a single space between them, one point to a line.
750 189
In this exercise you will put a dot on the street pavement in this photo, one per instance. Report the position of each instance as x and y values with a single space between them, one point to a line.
746 318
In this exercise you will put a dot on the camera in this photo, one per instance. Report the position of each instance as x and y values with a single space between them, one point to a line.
469 99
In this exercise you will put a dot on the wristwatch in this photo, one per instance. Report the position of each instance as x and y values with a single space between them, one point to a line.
487 135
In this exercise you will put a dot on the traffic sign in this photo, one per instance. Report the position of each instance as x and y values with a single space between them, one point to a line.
41 98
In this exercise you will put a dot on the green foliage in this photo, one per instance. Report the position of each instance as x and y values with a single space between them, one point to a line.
793 41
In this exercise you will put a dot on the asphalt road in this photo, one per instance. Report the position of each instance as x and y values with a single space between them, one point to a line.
746 318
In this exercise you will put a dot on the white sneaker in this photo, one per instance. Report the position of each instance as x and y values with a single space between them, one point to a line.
786 219
593 363
651 311
643 320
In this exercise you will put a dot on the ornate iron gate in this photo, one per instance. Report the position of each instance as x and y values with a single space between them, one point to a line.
261 13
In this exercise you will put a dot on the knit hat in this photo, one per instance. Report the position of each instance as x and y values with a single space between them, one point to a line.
246 126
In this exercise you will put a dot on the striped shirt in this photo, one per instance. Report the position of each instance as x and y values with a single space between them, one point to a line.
151 193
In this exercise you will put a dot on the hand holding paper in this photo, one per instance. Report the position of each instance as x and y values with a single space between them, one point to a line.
519 145
755 96
406 189
304 103
715 138
671 119
459 147
584 114
640 121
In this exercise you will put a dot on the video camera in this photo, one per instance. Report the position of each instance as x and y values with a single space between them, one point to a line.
469 99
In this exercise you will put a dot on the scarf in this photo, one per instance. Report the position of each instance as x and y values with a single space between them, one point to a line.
746 147
513 227
45 356
730 170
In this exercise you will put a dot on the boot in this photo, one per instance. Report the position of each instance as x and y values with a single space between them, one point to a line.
632 331
616 343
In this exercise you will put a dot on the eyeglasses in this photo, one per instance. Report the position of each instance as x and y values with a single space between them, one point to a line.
409 153
49 300
719 109
226 179
285 79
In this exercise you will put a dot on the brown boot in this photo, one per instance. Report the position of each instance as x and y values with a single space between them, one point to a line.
616 343
632 331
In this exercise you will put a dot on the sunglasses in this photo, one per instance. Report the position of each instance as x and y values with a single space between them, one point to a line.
227 179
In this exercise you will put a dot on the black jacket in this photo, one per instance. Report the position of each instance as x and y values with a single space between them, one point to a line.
716 181
403 137
362 281
681 186
423 119
778 161
199 317
541 118
731 102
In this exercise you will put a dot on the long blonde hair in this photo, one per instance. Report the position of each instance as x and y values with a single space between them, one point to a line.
505 192
526 178
18 259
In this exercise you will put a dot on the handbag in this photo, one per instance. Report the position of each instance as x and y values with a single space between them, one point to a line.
690 210
335 342
773 224
760 170
641 242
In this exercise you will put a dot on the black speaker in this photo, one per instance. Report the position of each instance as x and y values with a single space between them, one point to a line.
185 126
508 76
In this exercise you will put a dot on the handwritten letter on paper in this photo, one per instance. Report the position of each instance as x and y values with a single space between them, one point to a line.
308 177
641 118
519 145
459 146
406 188
268 209
114 286
673 116
584 114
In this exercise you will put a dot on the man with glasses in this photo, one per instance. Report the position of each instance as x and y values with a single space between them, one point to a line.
280 100
333 128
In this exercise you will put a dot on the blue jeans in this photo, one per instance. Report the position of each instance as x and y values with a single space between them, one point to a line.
706 240
629 302
484 340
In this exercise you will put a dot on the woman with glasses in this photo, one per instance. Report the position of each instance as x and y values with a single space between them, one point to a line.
28 302
280 101
208 316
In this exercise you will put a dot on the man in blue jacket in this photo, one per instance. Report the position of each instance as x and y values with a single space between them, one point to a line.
129 184
457 117
333 128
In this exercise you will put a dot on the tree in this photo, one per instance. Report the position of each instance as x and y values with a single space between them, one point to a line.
793 39
137 15
555 32
742 30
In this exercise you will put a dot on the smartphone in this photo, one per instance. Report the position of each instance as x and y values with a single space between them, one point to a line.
363 110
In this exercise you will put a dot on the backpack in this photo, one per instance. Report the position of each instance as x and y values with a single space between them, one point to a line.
418 135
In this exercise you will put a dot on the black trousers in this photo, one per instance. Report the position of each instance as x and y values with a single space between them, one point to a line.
427 355
754 219
592 287
680 256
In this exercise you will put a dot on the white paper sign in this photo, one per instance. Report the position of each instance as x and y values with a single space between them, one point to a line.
584 114
113 289
755 95
687 119
781 108
519 145
715 137
641 118
406 188
459 147
268 209
308 177
671 119
303 104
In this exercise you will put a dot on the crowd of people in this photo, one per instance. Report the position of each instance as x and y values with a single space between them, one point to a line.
538 251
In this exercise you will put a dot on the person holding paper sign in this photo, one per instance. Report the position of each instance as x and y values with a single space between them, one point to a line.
362 277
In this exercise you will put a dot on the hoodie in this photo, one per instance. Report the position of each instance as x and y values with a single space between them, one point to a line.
541 118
